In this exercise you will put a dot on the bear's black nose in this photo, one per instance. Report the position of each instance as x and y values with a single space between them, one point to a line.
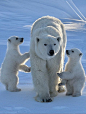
67 52
21 39
51 52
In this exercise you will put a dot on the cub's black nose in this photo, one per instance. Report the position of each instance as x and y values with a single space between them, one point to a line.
51 52
67 52
21 39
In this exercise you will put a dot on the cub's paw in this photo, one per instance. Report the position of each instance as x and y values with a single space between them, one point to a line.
18 89
76 95
14 90
28 54
28 69
38 99
61 89
60 84
59 74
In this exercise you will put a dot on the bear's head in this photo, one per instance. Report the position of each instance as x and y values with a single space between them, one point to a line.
15 40
47 46
74 54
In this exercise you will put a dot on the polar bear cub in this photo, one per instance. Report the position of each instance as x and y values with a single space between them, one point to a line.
74 75
13 62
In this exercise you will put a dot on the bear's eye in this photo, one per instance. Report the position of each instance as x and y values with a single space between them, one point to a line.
58 39
16 38
37 39
54 44
80 54
72 51
45 44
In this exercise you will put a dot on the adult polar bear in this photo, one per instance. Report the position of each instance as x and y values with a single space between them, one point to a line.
47 48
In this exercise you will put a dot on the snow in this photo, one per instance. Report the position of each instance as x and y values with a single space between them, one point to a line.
16 18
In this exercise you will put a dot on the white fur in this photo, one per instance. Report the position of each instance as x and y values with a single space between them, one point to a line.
47 30
74 75
13 62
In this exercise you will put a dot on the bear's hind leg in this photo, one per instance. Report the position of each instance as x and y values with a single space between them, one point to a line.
13 88
77 90
69 90
12 85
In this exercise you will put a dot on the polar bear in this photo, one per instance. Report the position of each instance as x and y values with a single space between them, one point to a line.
13 62
74 75
47 48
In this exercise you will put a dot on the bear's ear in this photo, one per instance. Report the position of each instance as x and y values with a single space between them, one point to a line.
37 39
9 40
80 54
58 39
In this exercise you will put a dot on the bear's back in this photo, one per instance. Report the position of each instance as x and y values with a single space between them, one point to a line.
45 21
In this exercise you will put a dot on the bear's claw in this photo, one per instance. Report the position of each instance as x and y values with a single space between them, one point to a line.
28 69
38 99
59 74
47 100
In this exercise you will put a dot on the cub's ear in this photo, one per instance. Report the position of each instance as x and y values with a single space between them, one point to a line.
9 40
80 54
58 39
37 39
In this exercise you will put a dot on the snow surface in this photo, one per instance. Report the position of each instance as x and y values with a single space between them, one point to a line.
16 18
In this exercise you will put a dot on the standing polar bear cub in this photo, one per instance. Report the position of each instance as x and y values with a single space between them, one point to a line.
47 49
74 75
13 62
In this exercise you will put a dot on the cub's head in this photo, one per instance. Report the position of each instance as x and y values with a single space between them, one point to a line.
47 46
74 54
15 40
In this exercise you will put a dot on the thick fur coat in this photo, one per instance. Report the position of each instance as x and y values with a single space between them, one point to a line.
74 75
47 50
13 62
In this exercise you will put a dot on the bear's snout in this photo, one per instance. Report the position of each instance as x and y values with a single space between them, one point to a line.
21 39
67 52
51 52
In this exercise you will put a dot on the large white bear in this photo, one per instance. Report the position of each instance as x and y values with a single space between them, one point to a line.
13 62
74 75
47 48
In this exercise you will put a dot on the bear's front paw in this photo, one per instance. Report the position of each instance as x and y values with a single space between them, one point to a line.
28 55
59 74
28 69
47 100
38 99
